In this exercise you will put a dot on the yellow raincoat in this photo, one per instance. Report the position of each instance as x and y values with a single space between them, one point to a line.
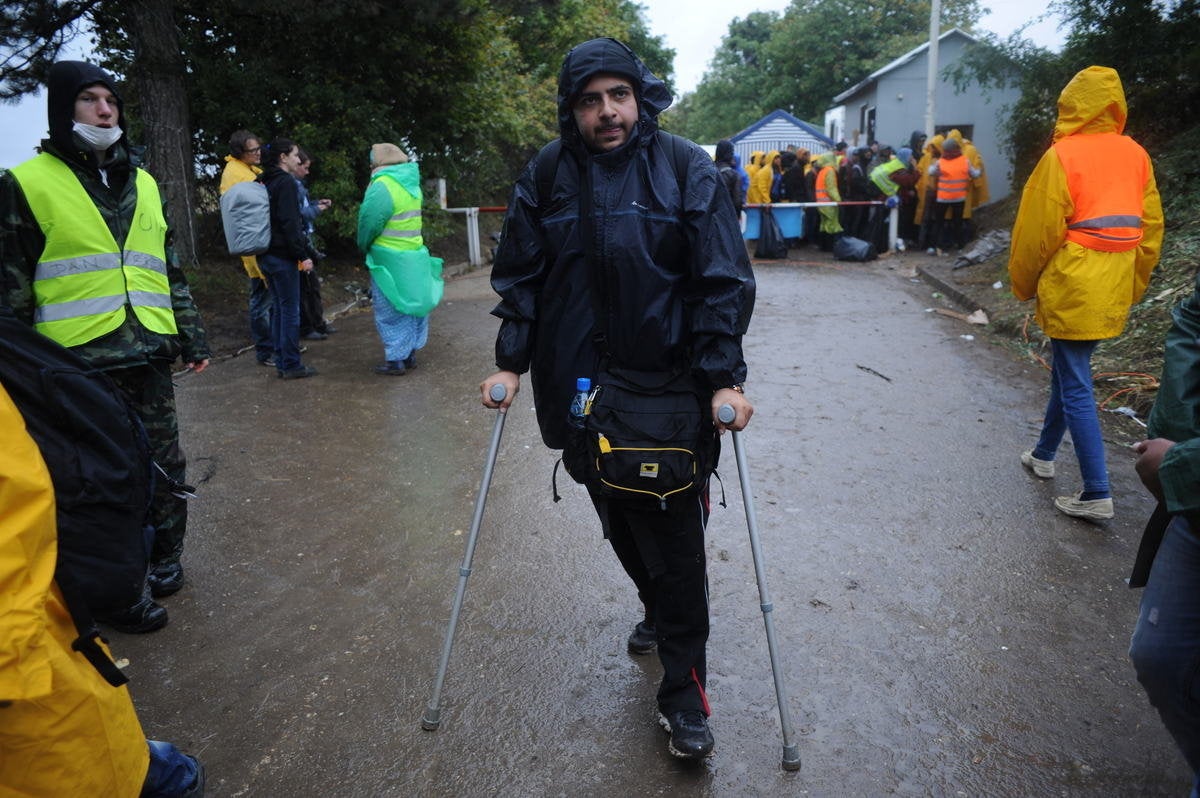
64 730
925 183
760 181
1082 294
829 213
978 192
754 165
238 171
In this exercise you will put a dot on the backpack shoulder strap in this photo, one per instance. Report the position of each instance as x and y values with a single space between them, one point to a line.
544 168
678 148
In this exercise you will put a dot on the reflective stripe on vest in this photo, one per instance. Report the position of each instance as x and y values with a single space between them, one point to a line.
822 185
83 280
881 176
953 177
403 230
1106 175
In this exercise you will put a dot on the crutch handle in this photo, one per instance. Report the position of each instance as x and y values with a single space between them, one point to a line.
726 414
498 392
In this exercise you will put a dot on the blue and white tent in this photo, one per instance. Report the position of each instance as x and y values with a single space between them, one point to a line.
776 131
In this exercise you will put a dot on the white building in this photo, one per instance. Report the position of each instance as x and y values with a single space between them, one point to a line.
889 104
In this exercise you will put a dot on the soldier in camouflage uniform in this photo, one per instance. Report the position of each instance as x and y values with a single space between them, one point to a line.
86 259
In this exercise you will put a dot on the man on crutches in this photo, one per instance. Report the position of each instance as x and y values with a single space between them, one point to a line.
621 261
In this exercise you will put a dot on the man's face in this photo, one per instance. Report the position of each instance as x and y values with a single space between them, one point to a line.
253 152
97 106
606 112
302 169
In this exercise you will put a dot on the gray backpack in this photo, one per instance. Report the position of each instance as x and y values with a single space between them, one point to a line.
246 217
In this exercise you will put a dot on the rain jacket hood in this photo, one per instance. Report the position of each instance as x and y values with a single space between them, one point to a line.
65 81
610 56
408 175
1084 294
1093 102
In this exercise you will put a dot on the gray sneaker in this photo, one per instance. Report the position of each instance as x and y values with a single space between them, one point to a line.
1091 509
1040 468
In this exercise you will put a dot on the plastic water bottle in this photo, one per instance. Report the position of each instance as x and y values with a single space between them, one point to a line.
577 415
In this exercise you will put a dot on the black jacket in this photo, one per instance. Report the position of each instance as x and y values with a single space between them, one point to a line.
288 237
679 284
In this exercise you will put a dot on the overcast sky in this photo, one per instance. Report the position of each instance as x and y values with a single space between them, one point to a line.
692 27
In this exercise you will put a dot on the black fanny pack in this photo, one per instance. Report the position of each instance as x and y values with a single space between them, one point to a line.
644 442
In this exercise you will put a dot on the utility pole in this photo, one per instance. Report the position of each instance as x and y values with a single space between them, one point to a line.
935 13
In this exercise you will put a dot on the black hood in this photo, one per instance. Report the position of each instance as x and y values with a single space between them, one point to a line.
597 56
66 80
725 151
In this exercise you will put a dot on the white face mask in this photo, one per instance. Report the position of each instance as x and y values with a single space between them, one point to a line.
98 138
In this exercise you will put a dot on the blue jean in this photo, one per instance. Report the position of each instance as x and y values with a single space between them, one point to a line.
260 318
1165 648
402 335
285 310
1072 406
171 772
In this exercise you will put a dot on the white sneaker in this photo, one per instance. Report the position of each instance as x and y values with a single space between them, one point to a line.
1092 509
1040 468
931 251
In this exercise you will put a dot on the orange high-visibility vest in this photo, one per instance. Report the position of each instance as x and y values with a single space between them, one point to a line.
822 190
1106 175
953 178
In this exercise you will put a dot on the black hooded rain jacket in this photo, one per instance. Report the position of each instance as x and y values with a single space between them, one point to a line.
666 247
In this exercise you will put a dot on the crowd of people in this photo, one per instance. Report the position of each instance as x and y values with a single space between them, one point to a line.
285 304
663 330
935 185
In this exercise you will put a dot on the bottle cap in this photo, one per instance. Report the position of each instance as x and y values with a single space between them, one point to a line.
583 384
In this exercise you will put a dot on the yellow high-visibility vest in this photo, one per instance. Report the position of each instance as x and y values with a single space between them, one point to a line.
84 278
403 230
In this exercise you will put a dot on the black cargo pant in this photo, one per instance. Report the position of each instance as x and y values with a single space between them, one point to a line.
152 396
312 308
663 553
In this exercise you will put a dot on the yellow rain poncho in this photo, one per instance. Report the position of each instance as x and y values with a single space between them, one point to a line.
1083 293
64 730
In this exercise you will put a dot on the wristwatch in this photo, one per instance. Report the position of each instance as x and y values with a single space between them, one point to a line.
738 388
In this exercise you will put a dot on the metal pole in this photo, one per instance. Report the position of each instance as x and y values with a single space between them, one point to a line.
791 752
433 713
935 13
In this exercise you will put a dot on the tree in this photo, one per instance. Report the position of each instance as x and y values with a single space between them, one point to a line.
34 37
801 60
468 86
1158 68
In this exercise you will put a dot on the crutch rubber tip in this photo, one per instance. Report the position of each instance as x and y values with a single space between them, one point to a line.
431 719
791 758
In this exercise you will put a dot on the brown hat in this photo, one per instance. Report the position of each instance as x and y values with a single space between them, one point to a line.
385 154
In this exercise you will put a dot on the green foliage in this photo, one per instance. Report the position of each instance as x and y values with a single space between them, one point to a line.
466 86
800 60
31 35
1159 68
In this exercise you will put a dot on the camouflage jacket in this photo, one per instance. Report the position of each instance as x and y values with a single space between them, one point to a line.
22 242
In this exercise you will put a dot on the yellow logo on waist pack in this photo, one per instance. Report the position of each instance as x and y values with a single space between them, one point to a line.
649 470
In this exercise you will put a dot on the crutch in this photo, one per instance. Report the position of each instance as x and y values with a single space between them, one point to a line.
791 752
433 713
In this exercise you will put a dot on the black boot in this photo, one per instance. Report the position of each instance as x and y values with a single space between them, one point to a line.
144 616
165 579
